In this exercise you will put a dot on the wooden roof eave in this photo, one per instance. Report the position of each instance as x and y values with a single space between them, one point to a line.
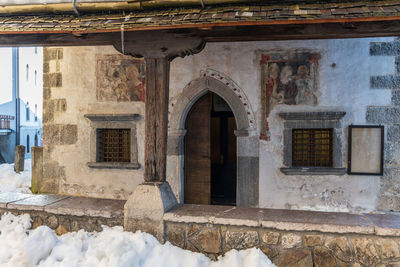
229 23
93 6
215 32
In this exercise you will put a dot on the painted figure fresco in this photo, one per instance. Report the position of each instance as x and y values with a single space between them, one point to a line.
287 78
120 78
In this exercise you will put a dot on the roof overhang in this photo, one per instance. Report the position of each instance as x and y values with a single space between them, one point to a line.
75 6
349 19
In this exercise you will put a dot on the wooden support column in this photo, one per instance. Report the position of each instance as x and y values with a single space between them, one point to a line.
145 208
158 49
156 121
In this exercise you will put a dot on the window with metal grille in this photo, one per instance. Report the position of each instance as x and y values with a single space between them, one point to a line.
312 147
113 145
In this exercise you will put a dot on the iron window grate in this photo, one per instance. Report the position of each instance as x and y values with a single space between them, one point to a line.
312 147
113 145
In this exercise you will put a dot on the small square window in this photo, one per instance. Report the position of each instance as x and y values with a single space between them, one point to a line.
313 143
113 145
312 147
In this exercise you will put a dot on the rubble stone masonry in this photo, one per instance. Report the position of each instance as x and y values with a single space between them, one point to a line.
288 248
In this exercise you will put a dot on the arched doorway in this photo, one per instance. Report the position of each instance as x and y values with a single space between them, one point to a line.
247 142
210 153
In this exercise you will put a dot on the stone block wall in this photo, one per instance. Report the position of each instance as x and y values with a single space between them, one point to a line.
288 248
389 116
53 133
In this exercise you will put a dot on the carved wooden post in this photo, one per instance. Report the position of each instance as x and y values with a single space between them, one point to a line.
145 208
157 94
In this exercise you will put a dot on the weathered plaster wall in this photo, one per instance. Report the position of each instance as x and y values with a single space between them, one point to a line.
345 69
69 94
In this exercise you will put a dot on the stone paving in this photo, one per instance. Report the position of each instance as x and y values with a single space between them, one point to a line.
65 205
286 220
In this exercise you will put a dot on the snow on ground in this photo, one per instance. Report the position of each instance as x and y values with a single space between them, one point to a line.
15 182
20 246
111 247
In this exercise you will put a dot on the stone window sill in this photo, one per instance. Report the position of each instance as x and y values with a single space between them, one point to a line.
113 165
313 171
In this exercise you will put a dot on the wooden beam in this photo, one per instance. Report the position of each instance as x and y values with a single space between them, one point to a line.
302 31
156 121
184 41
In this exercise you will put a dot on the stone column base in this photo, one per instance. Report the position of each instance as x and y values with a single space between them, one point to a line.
145 208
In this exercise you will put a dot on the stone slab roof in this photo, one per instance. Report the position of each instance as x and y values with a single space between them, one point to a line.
196 17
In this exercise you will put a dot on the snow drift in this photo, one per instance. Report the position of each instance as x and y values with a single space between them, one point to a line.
15 182
20 246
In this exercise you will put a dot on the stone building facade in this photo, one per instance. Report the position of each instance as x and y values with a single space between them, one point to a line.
345 82
69 100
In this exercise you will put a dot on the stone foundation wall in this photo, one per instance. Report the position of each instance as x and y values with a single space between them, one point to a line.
288 248
66 223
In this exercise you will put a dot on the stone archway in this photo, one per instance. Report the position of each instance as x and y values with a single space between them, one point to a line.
247 139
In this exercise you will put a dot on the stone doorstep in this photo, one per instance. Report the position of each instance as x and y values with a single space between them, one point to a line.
288 220
63 205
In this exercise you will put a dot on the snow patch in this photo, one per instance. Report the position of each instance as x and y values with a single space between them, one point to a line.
20 246
15 182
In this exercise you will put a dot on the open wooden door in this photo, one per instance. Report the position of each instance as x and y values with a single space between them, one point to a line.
197 153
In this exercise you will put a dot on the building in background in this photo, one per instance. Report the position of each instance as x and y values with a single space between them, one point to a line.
20 100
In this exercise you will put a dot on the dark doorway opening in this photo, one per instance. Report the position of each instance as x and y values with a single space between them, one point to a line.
210 153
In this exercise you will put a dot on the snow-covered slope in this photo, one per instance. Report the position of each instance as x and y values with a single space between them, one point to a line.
111 247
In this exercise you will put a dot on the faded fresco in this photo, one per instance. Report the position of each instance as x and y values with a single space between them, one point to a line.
287 78
120 78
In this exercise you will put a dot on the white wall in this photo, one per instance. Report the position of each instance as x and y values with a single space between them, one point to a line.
29 90
344 87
